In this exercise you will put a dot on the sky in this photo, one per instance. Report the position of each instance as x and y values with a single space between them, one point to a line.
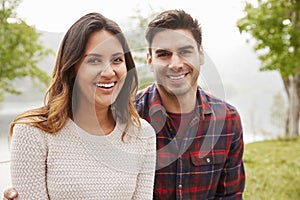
58 15
217 17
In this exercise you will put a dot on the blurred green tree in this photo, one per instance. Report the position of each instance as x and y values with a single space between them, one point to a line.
275 27
138 43
20 50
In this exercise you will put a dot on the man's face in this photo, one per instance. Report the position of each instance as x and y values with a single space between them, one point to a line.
175 61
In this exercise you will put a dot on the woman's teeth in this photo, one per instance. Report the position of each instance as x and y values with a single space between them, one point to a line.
105 85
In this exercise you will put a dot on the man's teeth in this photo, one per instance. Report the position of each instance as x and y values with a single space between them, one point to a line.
177 77
105 85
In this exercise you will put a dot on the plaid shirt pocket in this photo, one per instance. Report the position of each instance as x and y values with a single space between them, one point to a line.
198 158
206 170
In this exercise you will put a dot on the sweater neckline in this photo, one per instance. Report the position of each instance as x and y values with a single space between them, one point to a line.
116 132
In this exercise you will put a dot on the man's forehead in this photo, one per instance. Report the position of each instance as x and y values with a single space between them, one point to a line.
173 39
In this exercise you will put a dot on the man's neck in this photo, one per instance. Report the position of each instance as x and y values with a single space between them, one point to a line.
179 104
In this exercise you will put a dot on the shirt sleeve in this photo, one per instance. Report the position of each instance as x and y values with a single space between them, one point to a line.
232 181
28 162
145 179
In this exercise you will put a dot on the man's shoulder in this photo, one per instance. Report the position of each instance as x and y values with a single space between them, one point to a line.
214 100
143 93
140 94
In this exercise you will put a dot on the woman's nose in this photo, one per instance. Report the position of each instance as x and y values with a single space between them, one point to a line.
108 71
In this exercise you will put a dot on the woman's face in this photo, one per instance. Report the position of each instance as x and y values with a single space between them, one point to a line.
101 72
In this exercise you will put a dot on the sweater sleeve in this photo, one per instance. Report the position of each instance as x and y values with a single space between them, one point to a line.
145 179
28 162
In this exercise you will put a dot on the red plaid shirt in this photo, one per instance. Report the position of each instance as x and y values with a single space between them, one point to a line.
207 162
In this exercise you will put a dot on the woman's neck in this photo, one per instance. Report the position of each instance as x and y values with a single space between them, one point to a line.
95 121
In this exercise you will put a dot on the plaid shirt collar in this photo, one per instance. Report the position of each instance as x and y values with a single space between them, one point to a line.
156 106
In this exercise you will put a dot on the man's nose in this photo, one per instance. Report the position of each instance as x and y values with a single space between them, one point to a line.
176 62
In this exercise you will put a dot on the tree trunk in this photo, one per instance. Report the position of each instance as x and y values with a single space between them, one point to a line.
293 111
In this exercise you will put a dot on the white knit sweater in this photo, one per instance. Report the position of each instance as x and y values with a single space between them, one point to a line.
76 165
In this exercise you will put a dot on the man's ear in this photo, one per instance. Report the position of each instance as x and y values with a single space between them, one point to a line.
201 53
149 61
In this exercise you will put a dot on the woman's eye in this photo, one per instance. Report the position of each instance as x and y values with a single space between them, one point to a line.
94 60
118 60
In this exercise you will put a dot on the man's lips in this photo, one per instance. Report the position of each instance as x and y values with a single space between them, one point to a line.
177 77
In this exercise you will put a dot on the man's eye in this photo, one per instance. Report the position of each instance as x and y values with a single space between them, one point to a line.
183 52
164 54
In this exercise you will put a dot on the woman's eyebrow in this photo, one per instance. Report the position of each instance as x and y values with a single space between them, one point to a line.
118 54
93 54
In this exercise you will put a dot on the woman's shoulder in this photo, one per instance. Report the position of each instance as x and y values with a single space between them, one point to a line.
145 130
24 127
144 122
26 133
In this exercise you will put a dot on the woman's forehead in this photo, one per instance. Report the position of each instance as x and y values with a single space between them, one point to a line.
103 41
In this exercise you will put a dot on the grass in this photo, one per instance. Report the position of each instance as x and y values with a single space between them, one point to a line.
272 170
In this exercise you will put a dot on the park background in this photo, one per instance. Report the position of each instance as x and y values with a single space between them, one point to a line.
229 59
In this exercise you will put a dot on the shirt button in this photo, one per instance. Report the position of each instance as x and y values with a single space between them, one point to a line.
180 187
208 160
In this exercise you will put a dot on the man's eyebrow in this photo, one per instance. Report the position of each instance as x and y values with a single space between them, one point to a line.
157 51
186 47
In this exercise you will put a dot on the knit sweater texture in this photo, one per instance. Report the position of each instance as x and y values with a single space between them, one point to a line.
74 164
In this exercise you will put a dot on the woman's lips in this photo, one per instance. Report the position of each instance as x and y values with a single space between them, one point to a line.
106 85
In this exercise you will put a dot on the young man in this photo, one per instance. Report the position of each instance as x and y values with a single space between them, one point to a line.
199 137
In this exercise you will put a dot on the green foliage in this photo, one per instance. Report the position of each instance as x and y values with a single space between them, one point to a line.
20 50
275 26
145 77
272 170
136 36
144 82
138 44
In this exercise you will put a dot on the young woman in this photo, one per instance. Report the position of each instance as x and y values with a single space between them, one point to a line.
87 141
